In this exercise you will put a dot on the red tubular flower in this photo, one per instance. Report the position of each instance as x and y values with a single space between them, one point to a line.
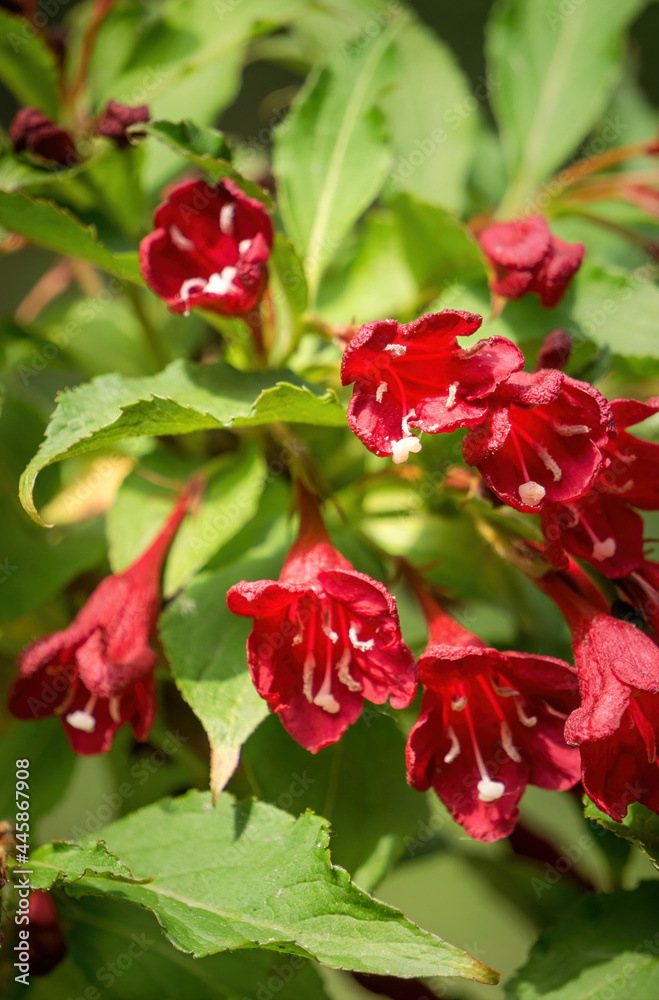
46 944
490 724
602 527
325 637
116 118
617 725
527 258
416 377
97 674
209 249
542 439
31 131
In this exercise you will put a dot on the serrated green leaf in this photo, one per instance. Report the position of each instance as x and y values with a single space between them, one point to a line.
256 877
604 946
65 860
184 397
431 116
640 827
27 64
105 935
555 66
331 154
48 225
363 774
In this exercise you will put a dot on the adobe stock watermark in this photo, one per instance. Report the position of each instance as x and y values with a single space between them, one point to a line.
362 36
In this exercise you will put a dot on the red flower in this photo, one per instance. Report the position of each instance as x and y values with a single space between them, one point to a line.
98 673
116 118
209 249
527 258
46 944
617 725
32 132
324 638
602 526
642 586
490 724
542 439
416 377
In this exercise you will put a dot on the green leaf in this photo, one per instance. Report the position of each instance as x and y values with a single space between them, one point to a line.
331 154
617 309
240 875
48 225
63 860
604 946
51 765
362 775
119 949
27 64
640 827
555 66
184 397
431 116
206 648
230 500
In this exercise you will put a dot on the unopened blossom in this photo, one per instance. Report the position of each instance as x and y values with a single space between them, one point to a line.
117 118
97 674
325 638
527 258
415 377
46 945
490 724
603 527
31 131
555 351
209 249
616 726
542 440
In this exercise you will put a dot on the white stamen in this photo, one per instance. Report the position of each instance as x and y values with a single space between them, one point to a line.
620 489
490 791
189 285
455 746
405 422
115 710
328 702
531 493
227 215
244 246
526 720
307 677
554 711
504 692
396 349
179 240
68 700
327 625
604 550
380 391
507 743
82 720
400 450
452 393
363 645
568 430
220 284
549 462
343 672
458 704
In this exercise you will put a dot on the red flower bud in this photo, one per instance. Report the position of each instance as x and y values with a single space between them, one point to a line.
209 249
555 351
97 674
416 377
490 724
31 131
325 637
527 258
116 118
46 944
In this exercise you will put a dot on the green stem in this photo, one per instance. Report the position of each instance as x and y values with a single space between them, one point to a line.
149 331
